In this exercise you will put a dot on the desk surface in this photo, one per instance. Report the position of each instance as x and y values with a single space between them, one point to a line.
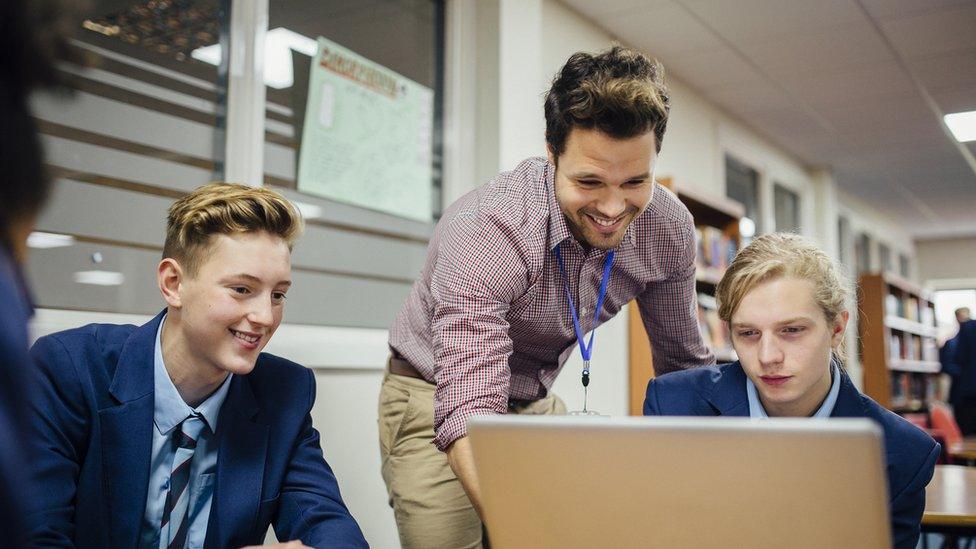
950 499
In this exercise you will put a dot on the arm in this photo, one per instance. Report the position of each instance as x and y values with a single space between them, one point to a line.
311 508
58 428
670 314
462 462
908 505
651 405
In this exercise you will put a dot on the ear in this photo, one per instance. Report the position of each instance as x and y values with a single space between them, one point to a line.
169 277
838 328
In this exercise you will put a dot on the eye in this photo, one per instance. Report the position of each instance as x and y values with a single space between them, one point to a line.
278 296
793 329
588 183
635 182
241 290
747 333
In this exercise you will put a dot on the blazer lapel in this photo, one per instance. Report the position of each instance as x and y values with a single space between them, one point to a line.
240 467
849 402
728 391
127 435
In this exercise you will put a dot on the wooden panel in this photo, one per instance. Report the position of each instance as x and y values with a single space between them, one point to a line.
640 359
877 379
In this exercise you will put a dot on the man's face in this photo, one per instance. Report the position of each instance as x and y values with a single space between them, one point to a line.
234 303
603 183
784 343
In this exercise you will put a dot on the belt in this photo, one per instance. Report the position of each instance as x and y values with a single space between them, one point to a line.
399 366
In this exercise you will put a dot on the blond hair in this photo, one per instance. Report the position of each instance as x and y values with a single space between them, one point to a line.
226 208
785 255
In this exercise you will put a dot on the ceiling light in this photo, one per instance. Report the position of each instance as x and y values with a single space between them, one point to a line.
747 227
99 278
42 240
962 125
278 44
308 211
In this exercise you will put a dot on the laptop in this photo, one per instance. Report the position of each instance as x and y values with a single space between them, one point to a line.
571 482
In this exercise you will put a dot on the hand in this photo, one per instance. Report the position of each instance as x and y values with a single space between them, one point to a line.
461 459
290 545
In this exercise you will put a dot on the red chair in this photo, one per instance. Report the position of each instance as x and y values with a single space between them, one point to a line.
944 423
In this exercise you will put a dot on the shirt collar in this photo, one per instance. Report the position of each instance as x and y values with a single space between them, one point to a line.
756 409
170 409
559 229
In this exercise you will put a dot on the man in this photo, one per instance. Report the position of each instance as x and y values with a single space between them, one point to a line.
180 432
958 357
493 317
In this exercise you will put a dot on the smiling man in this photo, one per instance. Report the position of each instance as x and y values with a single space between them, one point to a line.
518 270
181 433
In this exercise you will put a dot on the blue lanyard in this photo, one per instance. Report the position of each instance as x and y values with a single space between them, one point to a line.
586 349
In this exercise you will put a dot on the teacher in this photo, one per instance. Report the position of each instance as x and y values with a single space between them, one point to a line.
518 270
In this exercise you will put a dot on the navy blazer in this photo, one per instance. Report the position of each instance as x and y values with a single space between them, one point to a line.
92 421
15 311
910 452
964 357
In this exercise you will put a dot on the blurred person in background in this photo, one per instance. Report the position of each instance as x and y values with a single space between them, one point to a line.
31 39
958 357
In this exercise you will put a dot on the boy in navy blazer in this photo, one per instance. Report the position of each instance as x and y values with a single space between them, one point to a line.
786 304
181 433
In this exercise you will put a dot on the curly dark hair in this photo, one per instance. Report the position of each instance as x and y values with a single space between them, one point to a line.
32 39
620 92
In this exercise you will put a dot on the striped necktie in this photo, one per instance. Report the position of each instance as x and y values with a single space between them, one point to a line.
176 522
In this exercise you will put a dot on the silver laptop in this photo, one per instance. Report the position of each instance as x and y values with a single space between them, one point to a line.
589 482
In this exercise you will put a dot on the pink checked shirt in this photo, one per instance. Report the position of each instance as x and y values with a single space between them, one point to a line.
488 320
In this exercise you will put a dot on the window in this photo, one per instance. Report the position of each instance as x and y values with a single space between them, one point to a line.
884 258
787 205
844 240
904 267
862 253
742 184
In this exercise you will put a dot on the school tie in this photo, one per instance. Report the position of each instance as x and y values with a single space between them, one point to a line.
176 522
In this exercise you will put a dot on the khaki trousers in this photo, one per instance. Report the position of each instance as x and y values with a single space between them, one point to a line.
431 509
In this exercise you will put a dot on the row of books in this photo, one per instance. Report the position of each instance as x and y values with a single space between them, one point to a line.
715 249
715 333
911 390
911 308
912 347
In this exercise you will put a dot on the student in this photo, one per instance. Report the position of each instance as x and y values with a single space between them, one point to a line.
787 307
180 432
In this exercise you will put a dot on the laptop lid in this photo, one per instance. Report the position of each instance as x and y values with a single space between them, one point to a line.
571 482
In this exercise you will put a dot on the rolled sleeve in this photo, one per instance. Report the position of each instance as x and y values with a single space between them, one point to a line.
670 314
473 284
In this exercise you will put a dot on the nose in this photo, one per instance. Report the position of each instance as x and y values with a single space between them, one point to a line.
769 351
612 203
262 312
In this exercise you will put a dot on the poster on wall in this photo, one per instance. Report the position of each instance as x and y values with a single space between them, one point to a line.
367 138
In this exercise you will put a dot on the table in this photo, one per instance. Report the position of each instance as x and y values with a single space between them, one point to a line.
950 502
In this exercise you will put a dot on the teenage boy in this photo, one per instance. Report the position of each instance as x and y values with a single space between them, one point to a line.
180 433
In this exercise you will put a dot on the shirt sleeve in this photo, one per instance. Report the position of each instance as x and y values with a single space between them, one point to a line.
669 309
481 267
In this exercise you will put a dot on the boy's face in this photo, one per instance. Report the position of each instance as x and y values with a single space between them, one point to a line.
784 343
232 305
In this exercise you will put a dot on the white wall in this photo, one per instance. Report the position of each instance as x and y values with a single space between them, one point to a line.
946 260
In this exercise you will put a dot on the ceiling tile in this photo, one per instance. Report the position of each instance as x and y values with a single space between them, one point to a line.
664 31
894 9
957 100
609 8
956 70
933 32
738 22
713 70
850 85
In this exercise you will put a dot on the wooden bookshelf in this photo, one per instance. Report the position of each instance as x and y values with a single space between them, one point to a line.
717 218
899 354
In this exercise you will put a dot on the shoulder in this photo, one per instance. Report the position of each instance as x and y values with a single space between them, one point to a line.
279 379
665 229
93 345
907 447
685 392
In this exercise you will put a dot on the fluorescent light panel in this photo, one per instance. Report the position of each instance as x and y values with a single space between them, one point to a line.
962 125
42 240
277 55
99 278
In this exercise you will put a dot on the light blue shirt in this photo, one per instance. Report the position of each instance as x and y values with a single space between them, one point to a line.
756 409
170 410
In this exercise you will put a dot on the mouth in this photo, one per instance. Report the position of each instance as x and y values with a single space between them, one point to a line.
249 340
604 225
775 381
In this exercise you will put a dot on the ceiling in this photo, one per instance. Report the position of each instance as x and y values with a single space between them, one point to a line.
856 86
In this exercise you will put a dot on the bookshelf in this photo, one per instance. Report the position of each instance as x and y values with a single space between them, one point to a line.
899 354
717 238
